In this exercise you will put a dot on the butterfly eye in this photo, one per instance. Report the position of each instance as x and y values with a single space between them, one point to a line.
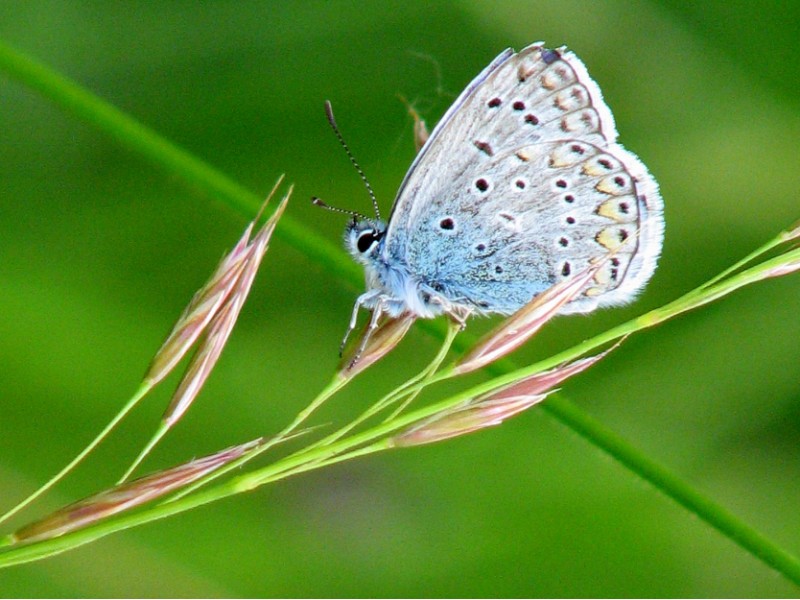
366 239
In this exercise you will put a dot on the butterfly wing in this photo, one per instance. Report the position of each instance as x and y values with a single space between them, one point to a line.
521 184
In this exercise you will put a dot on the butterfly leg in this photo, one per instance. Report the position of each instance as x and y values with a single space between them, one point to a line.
351 326
365 300
377 312
459 314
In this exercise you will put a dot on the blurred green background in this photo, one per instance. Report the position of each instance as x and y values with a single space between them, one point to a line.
100 251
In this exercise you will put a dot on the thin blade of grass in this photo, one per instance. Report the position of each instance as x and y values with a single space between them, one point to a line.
129 406
222 325
523 324
207 302
219 328
133 135
379 342
493 407
129 495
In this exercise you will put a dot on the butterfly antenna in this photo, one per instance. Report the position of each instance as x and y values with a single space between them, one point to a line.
332 121
355 214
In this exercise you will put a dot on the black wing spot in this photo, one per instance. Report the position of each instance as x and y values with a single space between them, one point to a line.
498 269
550 56
484 147
588 118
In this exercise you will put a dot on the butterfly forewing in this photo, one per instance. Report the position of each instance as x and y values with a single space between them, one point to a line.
523 184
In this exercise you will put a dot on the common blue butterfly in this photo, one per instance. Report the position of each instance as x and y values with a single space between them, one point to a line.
521 184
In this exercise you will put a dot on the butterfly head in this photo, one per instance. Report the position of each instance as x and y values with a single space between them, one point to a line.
364 239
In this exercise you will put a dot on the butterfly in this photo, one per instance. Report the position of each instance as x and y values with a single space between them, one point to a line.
519 186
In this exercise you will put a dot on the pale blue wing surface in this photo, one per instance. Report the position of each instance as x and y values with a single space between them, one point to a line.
523 183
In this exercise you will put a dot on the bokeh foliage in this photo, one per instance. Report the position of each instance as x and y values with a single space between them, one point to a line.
99 251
